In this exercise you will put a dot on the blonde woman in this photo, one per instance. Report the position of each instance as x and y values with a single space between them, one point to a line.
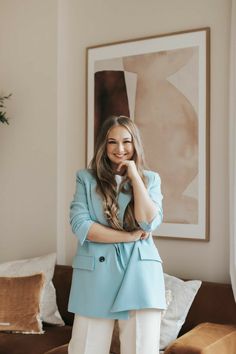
117 270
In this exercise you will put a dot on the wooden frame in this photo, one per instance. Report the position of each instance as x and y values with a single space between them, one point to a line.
163 83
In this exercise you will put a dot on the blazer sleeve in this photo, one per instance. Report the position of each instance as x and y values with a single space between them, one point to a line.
80 218
154 190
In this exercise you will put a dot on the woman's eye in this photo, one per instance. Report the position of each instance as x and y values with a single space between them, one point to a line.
111 142
127 142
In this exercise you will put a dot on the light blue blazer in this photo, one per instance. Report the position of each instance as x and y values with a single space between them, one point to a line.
109 279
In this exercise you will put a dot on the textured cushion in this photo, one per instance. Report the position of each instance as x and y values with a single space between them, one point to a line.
19 303
206 338
182 294
45 264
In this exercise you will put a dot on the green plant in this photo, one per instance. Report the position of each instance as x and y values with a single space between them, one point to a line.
3 117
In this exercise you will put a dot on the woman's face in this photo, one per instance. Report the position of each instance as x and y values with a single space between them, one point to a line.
120 146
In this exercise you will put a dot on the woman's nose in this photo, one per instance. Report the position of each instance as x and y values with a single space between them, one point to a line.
120 147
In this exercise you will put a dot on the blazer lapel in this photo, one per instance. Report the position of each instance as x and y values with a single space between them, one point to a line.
96 203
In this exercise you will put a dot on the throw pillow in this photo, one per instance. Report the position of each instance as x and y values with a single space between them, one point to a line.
45 264
182 296
19 303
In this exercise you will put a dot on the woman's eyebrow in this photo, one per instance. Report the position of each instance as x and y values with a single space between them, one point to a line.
113 139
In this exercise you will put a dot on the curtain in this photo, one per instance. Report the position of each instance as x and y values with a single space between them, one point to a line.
232 148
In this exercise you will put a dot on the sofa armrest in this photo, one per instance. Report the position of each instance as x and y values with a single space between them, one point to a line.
206 338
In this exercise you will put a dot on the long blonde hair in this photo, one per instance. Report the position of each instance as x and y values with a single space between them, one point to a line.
104 174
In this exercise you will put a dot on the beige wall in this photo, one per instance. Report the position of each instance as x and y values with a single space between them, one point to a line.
28 58
82 23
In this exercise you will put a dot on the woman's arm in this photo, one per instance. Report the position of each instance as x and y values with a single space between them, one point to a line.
86 228
144 208
147 203
104 234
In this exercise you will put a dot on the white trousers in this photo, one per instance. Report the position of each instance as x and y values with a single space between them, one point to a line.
140 334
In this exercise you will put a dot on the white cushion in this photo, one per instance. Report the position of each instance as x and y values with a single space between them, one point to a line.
48 307
182 296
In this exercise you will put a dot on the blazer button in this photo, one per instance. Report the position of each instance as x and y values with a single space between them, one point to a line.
101 259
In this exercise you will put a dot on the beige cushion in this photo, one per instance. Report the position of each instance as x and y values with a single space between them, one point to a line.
206 338
19 303
44 264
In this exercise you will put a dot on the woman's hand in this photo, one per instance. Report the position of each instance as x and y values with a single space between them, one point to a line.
130 167
139 235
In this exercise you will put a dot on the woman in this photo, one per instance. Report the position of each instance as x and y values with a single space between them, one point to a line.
117 269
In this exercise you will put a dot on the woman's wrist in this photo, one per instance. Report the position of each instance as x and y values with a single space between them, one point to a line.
136 179
128 237
135 235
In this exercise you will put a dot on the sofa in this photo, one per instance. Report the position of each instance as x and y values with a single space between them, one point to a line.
209 328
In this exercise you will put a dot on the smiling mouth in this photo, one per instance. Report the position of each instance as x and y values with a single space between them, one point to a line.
117 155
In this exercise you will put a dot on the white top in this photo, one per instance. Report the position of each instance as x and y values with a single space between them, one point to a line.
118 179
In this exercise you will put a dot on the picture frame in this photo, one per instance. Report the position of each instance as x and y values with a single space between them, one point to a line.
162 82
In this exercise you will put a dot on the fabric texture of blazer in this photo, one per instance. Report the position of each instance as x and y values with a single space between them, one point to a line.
109 279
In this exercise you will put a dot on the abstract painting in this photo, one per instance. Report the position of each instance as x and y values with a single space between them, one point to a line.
162 83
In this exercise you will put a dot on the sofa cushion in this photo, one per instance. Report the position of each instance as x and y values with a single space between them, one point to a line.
182 296
19 303
44 264
17 343
206 338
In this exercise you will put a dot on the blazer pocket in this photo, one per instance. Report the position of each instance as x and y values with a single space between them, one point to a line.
149 254
84 262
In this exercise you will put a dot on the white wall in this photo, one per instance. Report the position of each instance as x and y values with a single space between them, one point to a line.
48 79
28 58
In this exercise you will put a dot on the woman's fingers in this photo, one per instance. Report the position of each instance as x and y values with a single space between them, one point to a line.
139 235
144 235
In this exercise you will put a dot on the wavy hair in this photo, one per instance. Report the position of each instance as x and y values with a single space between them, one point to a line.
104 174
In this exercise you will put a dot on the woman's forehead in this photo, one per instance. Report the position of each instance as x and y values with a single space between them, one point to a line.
119 132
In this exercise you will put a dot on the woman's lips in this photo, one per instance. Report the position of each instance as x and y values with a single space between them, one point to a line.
119 155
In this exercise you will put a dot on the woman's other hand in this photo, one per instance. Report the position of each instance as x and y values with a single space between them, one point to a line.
137 235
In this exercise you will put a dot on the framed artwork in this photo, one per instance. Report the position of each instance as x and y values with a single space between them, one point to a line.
163 84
